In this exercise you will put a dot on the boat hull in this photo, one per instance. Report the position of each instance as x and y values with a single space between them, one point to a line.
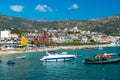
58 59
102 62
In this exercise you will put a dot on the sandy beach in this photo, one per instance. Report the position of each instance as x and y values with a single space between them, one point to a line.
6 52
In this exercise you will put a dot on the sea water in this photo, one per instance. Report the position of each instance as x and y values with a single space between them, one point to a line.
32 69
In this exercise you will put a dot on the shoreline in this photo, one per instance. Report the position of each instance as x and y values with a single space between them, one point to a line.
7 52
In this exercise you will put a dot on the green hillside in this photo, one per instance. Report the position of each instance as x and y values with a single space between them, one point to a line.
109 25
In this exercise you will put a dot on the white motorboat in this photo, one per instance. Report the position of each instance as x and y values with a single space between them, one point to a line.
21 57
57 57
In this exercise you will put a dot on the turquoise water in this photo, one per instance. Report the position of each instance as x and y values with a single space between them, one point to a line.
32 69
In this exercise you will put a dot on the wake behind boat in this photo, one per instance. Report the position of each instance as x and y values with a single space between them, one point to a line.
52 56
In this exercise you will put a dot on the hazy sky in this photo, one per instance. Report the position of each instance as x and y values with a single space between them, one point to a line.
60 9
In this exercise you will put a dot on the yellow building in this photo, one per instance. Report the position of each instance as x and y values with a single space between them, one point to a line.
24 41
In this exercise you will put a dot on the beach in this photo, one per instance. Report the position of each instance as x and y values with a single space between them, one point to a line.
40 49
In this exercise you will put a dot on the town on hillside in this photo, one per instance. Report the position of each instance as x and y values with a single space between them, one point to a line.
53 37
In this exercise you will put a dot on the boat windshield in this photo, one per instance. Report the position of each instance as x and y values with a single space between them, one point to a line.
64 53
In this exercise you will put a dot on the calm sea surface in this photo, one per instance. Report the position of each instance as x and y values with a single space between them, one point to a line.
32 69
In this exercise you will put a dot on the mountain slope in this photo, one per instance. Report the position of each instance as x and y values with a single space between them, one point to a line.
109 25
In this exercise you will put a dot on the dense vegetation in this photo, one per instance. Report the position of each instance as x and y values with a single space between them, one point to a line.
109 25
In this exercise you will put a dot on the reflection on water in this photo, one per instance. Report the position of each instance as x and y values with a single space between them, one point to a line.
32 69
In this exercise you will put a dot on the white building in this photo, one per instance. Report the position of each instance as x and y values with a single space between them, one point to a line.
84 39
61 39
5 34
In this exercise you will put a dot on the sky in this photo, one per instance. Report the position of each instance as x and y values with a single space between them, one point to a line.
60 9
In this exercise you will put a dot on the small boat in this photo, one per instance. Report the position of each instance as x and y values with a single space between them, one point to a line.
102 59
95 61
57 57
21 57
89 48
10 62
